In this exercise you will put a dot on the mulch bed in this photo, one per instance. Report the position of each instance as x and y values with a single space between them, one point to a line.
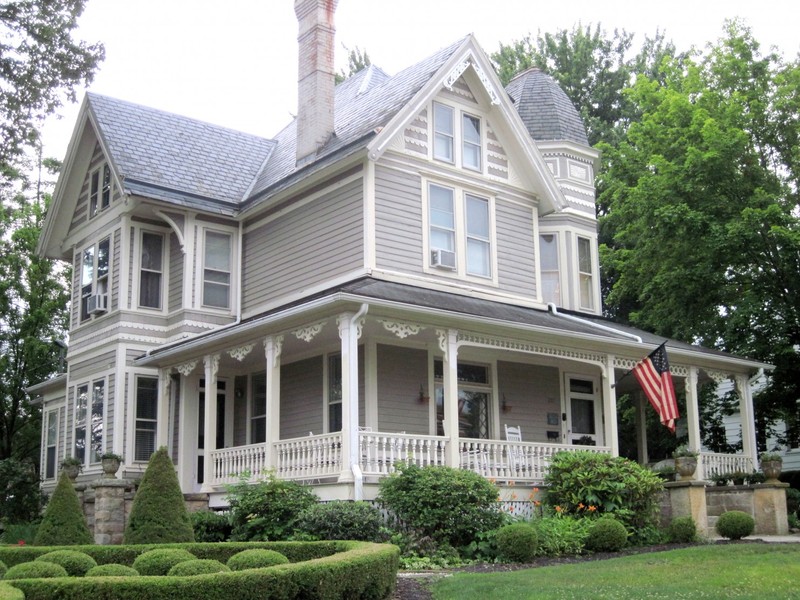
414 586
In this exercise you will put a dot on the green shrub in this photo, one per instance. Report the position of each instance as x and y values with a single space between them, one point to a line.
35 570
517 542
199 566
735 525
606 534
159 562
341 520
256 558
63 523
793 501
19 533
112 570
267 510
210 526
449 505
682 530
584 483
75 563
158 514
21 498
3 569
561 536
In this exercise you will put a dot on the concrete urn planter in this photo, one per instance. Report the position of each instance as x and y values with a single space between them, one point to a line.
685 466
772 469
110 467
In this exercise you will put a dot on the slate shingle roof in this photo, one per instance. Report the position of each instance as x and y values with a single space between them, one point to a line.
545 108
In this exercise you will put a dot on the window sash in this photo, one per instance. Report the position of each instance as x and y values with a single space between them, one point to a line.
94 192
478 240
146 417
334 393
81 402
258 409
548 267
96 434
105 199
216 271
51 445
152 266
443 132
471 147
441 210
585 274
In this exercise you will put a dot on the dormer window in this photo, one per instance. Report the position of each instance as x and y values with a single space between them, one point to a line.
99 189
462 146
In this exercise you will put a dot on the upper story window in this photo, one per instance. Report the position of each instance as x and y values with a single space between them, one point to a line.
99 189
95 264
151 270
548 267
217 270
585 273
459 224
443 132
462 146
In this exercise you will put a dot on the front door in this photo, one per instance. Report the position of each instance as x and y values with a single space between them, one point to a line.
583 411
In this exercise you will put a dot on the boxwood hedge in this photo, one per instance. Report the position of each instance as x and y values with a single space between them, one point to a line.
350 570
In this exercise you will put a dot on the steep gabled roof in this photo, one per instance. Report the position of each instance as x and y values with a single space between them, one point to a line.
160 152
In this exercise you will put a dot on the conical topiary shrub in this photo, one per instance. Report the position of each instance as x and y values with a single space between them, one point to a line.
158 515
64 523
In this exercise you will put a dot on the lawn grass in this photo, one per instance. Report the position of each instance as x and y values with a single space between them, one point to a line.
757 571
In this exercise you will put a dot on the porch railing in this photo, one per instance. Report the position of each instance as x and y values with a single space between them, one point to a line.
513 461
380 451
715 464
233 464
311 457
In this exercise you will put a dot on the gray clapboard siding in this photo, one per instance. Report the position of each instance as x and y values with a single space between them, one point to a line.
516 262
76 290
301 398
81 214
398 220
531 391
400 373
304 247
175 289
69 427
115 268
133 249
80 372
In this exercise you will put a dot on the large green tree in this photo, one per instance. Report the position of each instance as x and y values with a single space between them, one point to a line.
701 229
41 64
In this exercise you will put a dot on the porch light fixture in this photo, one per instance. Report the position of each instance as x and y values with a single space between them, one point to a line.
422 398
505 406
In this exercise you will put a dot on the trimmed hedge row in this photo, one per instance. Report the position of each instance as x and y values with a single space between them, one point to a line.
125 555
356 570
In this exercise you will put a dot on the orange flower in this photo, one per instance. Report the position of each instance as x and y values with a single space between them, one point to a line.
581 506
21 543
535 490
511 483
592 508
536 503
559 509
513 496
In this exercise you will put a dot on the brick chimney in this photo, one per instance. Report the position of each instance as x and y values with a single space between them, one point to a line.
316 80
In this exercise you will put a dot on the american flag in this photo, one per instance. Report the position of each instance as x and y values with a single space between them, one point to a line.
656 381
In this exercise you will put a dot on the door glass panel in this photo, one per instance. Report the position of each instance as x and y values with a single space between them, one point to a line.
582 416
581 386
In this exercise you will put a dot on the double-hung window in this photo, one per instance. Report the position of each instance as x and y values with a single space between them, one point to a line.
81 401
334 392
458 146
258 410
88 428
459 224
95 263
146 417
217 270
99 189
151 270
585 273
51 444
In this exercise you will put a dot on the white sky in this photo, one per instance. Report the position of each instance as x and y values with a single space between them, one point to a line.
234 63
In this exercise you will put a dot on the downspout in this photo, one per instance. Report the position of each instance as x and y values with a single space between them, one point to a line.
553 309
355 467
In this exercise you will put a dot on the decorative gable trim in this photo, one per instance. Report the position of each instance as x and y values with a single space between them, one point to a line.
456 72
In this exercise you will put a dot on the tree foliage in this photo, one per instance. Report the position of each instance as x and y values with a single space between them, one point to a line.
33 303
357 60
701 229
41 64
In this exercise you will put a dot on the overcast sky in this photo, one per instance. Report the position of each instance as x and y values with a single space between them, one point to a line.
234 63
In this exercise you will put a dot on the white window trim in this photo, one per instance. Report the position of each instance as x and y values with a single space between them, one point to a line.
46 413
577 278
459 113
134 418
89 383
560 257
200 271
459 200
137 267
99 171
596 396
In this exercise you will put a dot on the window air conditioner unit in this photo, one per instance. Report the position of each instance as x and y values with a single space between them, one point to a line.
97 304
444 259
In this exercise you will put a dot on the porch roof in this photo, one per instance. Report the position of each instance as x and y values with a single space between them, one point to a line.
412 298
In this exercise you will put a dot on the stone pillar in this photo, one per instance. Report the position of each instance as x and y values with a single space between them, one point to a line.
688 499
109 510
769 509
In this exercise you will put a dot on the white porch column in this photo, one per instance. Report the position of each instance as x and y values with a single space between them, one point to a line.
211 363
448 344
162 416
749 447
693 417
641 428
610 407
273 345
350 326
187 432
